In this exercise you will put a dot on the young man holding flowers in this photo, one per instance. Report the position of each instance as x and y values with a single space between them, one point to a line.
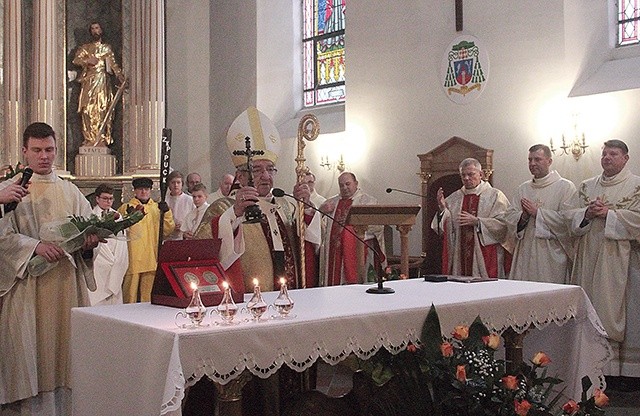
35 312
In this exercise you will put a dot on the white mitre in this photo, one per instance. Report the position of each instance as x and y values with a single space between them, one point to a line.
260 129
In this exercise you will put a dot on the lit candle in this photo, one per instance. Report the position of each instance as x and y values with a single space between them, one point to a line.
283 281
255 283
225 285
194 286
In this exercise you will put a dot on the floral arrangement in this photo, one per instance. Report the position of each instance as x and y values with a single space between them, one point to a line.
459 375
9 171
70 235
389 274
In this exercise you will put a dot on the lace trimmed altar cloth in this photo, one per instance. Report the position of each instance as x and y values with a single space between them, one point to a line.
132 359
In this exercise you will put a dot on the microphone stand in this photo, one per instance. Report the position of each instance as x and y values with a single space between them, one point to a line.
380 288
405 192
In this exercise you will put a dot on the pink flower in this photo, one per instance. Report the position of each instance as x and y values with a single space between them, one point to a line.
521 407
570 407
412 348
446 349
600 399
492 341
541 359
510 382
460 332
461 374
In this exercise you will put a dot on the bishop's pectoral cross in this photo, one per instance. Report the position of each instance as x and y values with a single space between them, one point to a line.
458 15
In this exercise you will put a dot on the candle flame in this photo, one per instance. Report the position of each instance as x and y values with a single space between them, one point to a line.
194 286
283 281
255 282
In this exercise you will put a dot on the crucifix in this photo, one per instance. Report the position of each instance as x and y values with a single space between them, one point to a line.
458 15
252 213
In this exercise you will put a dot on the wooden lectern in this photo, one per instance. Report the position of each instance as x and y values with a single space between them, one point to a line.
402 216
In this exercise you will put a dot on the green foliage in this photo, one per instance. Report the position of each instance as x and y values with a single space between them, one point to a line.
459 375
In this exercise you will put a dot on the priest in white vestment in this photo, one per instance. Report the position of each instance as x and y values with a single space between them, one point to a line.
544 246
338 260
475 240
35 311
607 262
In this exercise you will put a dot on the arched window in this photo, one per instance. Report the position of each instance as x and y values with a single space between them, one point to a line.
628 17
324 52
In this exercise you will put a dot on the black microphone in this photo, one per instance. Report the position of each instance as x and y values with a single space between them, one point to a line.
26 177
405 192
380 289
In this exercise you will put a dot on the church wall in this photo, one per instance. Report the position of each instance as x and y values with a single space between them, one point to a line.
188 93
396 106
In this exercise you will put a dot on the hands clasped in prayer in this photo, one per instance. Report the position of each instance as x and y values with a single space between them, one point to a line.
464 219
596 208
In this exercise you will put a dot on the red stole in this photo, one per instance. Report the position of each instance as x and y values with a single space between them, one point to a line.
342 248
467 244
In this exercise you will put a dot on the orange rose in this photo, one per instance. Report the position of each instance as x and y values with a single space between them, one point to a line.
570 407
446 349
521 407
600 399
403 276
492 341
510 382
461 374
541 359
460 332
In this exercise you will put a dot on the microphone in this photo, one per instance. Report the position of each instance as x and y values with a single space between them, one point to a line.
380 289
27 173
405 192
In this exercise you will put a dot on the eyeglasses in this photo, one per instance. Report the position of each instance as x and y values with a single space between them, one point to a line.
260 171
106 198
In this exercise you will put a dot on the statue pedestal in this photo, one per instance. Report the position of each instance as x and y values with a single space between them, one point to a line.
95 161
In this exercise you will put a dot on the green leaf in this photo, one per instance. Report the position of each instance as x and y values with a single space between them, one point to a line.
431 336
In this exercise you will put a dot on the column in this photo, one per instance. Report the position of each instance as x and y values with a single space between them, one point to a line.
12 67
47 100
146 108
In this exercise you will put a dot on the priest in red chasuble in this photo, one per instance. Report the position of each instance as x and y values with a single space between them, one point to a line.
338 262
268 249
475 241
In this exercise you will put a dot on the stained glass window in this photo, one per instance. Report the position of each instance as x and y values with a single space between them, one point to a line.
324 52
628 17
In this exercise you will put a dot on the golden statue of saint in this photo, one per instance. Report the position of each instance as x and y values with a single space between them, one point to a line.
96 97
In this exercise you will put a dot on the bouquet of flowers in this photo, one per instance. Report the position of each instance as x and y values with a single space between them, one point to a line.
70 234
8 171
459 375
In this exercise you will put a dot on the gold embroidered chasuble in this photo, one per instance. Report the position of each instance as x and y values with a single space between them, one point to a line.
35 311
602 265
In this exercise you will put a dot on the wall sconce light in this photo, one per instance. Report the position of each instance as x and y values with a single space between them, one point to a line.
575 147
325 163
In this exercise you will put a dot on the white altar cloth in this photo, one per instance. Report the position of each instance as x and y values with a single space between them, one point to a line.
133 360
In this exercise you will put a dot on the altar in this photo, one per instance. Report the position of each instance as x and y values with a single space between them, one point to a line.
132 359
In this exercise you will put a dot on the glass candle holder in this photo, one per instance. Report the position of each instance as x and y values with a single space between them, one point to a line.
194 312
283 304
227 308
256 305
